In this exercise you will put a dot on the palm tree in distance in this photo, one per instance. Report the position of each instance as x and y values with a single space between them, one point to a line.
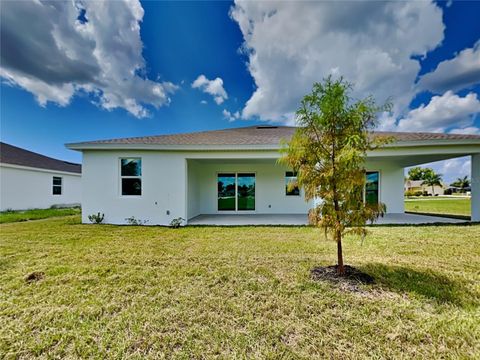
432 180
461 183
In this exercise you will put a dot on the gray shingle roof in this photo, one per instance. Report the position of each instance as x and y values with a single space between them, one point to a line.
252 135
13 155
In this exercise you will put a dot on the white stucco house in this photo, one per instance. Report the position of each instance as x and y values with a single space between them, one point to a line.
235 171
33 181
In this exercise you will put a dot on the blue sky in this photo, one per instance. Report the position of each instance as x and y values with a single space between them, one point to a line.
165 67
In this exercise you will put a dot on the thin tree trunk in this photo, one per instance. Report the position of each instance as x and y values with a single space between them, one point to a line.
341 268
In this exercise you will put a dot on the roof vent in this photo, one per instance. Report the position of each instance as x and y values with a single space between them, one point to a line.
267 127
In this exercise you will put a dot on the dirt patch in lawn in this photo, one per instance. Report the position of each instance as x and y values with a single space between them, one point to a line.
350 281
35 276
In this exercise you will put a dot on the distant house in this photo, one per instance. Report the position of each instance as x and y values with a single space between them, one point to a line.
416 185
33 181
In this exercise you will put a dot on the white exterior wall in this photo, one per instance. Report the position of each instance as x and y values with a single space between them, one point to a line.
194 190
185 184
475 205
163 187
24 188
391 184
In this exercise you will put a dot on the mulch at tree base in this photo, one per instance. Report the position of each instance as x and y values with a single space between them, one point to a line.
350 281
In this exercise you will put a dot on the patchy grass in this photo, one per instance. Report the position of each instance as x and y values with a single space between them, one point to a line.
448 206
35 214
245 292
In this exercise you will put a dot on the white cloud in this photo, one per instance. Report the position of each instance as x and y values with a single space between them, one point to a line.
203 102
441 113
54 55
455 168
229 116
212 87
461 72
292 44
470 130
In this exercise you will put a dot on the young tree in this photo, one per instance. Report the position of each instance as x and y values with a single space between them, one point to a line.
461 183
328 151
419 173
432 180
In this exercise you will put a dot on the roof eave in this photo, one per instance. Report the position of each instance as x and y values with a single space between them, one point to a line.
249 147
162 147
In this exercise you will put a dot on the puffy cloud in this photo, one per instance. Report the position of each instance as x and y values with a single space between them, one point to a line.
212 87
453 169
231 116
292 44
461 72
441 114
472 130
56 49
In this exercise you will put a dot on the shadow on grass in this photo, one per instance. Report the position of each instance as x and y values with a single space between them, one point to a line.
429 284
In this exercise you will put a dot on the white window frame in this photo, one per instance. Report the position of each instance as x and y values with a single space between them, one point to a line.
121 177
54 185
236 211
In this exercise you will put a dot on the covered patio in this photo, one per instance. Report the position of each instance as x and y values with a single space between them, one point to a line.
301 220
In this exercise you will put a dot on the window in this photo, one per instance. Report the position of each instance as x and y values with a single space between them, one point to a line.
131 176
371 187
57 185
291 184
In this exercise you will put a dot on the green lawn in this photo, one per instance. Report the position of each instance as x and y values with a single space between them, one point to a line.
439 205
35 214
241 292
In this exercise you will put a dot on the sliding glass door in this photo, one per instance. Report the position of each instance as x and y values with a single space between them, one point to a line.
236 192
245 192
226 184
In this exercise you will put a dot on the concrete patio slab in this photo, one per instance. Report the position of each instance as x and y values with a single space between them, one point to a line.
415 219
249 219
300 219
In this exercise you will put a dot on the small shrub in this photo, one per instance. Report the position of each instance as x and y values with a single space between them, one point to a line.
448 192
418 193
409 193
134 221
176 223
96 218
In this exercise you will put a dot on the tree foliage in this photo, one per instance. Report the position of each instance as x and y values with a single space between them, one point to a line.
328 150
419 173
461 183
432 179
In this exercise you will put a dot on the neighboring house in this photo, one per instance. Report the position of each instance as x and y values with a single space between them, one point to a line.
32 181
459 190
235 171
417 185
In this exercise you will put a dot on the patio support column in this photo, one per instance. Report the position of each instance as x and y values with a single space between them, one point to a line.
475 184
